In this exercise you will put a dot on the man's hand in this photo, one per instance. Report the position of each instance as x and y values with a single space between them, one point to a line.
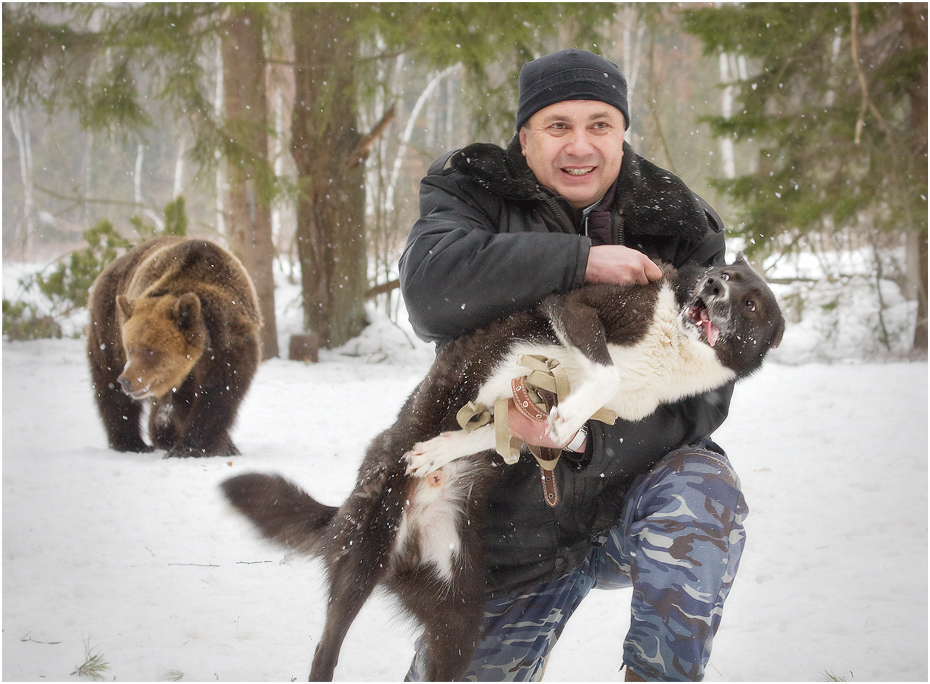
620 265
530 431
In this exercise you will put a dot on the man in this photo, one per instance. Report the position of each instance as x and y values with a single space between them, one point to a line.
654 504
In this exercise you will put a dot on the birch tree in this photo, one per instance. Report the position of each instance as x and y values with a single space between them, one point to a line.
20 127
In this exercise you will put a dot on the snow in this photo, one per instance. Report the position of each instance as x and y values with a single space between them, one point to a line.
142 559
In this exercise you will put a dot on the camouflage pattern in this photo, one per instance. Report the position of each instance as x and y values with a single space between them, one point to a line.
678 545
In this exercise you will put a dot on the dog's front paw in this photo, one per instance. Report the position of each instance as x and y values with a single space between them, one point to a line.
420 460
563 425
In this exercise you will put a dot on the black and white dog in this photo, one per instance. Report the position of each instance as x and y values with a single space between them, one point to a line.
415 519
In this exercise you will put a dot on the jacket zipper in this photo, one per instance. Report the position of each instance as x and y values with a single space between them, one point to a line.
560 214
619 228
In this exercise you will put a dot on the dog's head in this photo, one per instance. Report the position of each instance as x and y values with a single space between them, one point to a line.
733 310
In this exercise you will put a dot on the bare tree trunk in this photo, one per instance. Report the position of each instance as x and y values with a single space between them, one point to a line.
137 175
178 188
329 153
632 54
20 127
221 187
249 188
424 97
914 18
726 143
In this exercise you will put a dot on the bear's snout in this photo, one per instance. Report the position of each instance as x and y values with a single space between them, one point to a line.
133 386
125 385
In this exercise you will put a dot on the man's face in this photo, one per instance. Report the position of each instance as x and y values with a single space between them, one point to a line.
574 148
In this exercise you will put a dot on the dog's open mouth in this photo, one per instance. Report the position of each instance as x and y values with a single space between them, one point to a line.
696 313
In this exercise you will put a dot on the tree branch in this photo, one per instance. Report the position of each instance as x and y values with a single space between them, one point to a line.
360 153
863 85
383 288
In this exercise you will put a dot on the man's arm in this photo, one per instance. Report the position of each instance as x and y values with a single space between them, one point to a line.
461 269
627 448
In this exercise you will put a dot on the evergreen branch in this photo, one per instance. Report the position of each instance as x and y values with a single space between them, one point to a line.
94 665
78 201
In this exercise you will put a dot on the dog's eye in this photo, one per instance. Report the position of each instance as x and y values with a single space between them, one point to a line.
724 276
751 305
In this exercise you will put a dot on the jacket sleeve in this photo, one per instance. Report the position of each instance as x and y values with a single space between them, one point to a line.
467 262
628 449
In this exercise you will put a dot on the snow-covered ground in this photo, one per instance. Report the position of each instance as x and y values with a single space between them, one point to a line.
141 559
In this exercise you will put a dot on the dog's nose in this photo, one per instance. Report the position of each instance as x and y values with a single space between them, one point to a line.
714 286
124 384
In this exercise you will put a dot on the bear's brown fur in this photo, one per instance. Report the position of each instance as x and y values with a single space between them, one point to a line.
175 322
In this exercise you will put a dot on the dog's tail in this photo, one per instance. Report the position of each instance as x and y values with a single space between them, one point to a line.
281 510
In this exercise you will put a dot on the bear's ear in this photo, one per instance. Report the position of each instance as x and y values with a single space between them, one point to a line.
186 310
124 306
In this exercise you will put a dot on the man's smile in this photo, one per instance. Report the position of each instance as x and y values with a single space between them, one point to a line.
579 171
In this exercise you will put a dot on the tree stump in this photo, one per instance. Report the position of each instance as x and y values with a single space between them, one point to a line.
304 347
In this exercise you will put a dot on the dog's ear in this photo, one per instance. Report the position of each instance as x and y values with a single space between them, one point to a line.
741 259
779 333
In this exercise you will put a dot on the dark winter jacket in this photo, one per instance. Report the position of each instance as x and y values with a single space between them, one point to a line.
490 241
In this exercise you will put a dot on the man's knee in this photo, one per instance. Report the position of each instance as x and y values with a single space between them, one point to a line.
691 498
699 474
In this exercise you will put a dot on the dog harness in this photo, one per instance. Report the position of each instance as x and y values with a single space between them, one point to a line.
534 394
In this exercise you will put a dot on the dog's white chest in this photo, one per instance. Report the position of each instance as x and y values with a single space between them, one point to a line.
668 364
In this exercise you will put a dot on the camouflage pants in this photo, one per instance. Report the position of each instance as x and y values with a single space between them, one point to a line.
678 546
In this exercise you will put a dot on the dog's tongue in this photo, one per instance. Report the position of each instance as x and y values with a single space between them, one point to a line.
711 331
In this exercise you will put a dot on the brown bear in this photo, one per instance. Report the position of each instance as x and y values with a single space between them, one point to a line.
173 321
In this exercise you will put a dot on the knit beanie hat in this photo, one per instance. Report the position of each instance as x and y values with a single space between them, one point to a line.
570 75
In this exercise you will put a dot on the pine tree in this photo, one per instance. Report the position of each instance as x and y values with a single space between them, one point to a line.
837 106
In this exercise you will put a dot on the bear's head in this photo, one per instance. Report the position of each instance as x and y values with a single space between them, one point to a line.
163 337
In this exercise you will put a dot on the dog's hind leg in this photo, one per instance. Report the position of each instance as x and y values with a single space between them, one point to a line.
357 560
451 610
351 586
452 634
450 604
359 542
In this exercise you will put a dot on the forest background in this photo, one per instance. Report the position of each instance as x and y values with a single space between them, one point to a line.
296 134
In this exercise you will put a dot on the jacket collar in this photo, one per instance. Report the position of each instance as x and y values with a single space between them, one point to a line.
649 198
503 171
